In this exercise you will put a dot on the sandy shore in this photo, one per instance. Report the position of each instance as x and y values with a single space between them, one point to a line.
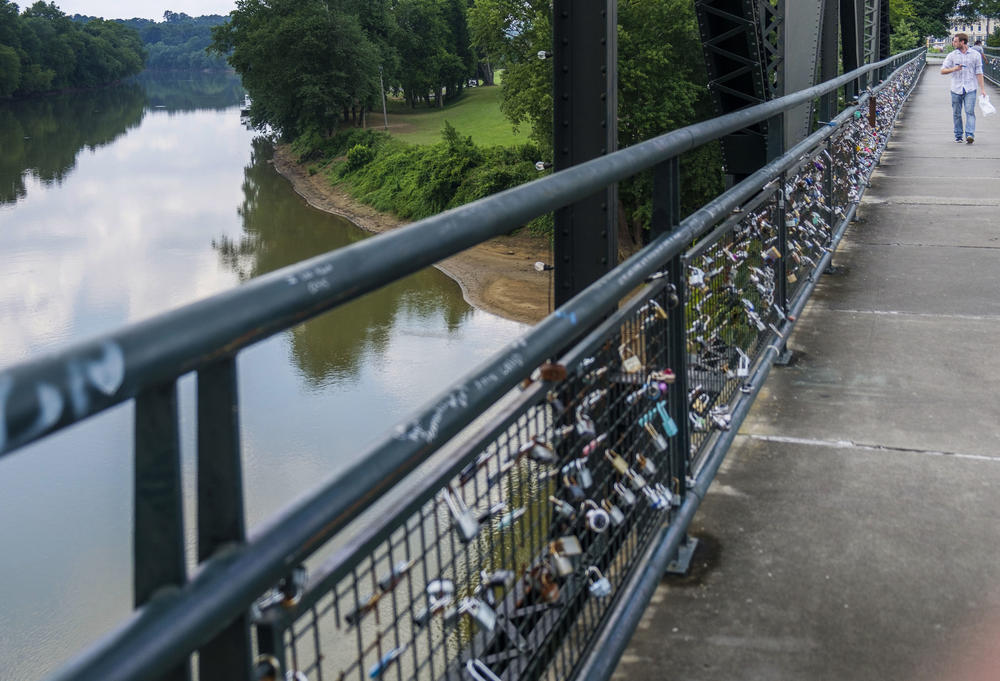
497 276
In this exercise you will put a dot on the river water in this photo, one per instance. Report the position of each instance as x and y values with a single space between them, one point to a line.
121 204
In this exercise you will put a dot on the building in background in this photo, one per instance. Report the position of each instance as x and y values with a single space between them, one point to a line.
980 29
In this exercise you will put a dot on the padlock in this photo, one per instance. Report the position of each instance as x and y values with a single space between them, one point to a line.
584 424
548 588
657 309
481 613
507 519
539 451
440 593
386 660
464 520
646 464
663 375
659 441
478 671
563 508
593 445
616 514
636 480
490 582
599 586
619 464
560 564
578 469
598 519
568 545
664 492
573 488
624 493
655 499
669 427
630 361
493 511
395 576
593 398
743 367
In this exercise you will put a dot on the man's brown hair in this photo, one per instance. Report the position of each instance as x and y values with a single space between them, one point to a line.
962 37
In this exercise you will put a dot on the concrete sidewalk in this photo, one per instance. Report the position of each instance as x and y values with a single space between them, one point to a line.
854 530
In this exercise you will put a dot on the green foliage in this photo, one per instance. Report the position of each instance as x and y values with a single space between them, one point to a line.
357 156
661 85
931 16
304 62
180 42
993 40
904 37
53 52
418 181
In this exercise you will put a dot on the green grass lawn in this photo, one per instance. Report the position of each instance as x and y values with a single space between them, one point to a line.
476 114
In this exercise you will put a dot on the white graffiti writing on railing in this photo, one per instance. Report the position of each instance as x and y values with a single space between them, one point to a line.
417 432
104 374
314 278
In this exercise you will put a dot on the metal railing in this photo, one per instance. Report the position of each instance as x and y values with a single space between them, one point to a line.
991 64
512 555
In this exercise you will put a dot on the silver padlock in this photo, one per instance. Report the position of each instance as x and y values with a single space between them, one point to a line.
664 492
655 499
625 494
540 452
616 515
563 508
440 593
478 671
598 519
577 469
483 614
743 367
464 519
646 464
636 480
584 424
599 586
659 441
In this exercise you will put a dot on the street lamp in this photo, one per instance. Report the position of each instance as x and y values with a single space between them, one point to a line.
381 85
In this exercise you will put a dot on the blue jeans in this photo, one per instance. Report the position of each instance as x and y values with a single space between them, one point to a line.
969 101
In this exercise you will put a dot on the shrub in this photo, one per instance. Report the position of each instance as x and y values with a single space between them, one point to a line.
358 156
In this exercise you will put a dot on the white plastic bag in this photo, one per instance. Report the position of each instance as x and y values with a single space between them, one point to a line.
985 106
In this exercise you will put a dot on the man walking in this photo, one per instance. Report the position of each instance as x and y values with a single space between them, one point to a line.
978 47
966 69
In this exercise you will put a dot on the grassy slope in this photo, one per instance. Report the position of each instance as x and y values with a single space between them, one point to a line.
476 114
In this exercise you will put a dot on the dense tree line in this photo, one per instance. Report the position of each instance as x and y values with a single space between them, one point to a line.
42 49
179 42
310 64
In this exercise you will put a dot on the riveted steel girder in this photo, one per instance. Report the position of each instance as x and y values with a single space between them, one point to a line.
738 75
585 107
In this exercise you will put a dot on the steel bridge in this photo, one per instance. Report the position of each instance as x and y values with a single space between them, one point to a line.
524 544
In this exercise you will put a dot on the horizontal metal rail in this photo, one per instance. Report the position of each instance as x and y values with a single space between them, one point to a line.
90 377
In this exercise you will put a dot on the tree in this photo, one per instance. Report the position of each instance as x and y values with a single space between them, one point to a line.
305 63
661 83
931 16
904 37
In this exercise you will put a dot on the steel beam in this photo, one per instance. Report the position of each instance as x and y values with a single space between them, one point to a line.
585 107
851 39
803 21
829 55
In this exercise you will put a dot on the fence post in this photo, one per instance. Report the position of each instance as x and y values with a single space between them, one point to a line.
666 218
158 543
220 505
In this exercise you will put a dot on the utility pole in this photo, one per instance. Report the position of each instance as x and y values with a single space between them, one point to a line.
381 86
